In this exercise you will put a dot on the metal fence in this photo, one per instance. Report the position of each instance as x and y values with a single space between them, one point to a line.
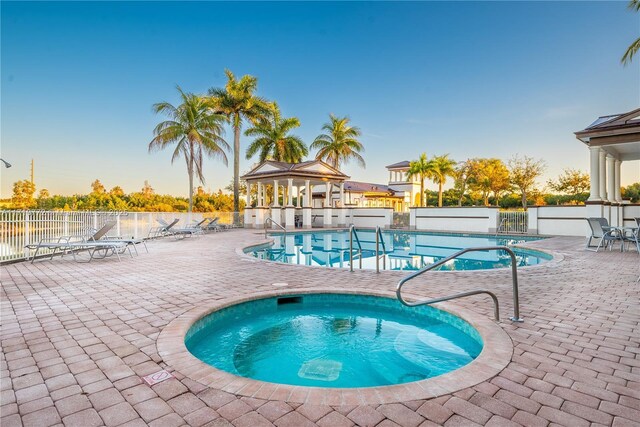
513 222
21 228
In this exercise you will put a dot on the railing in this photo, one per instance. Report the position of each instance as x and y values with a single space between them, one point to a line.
514 278
380 239
353 233
513 222
20 228
272 221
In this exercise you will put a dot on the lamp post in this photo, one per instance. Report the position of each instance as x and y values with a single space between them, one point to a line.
6 164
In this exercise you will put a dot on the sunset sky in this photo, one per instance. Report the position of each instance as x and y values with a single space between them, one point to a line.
474 79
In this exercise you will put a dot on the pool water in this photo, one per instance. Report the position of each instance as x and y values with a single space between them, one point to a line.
404 251
333 340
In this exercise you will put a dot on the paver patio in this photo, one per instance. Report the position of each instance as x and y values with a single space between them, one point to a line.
77 338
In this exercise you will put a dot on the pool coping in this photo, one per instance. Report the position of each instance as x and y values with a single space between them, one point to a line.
495 356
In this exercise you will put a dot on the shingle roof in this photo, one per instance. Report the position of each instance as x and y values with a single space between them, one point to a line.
402 164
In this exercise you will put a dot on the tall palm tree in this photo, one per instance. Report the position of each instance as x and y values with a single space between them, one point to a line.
238 101
423 169
272 139
633 48
339 143
443 167
195 130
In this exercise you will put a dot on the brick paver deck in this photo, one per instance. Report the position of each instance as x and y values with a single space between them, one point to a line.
77 338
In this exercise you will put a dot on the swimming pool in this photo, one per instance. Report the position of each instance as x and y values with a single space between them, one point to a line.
404 250
333 340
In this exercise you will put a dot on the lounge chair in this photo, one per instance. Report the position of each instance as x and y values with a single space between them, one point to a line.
214 226
191 230
633 236
163 230
106 248
600 230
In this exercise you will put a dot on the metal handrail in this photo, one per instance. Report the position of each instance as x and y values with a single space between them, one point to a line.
272 222
514 278
502 221
352 233
384 250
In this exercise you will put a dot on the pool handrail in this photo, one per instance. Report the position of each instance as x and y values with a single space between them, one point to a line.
379 240
514 278
275 223
352 233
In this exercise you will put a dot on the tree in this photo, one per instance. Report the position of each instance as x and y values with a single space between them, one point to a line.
117 191
442 167
237 100
489 176
461 176
632 192
339 143
523 173
571 181
272 139
147 190
43 194
423 169
23 192
633 48
97 187
196 131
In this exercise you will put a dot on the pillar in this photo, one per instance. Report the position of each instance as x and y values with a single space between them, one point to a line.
327 207
616 176
602 173
290 192
276 192
308 193
611 182
342 194
327 195
248 211
306 210
594 154
260 201
299 200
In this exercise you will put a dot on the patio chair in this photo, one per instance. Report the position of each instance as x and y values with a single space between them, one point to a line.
633 236
54 244
191 230
105 248
606 234
214 226
163 230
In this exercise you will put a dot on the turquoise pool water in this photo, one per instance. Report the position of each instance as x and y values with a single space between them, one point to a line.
333 340
404 251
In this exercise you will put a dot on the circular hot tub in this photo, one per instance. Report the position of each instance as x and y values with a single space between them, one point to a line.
283 345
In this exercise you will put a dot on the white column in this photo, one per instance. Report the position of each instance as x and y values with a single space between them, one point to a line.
248 204
602 173
276 192
617 193
307 194
299 199
611 182
327 198
594 154
260 201
342 194
290 192
390 176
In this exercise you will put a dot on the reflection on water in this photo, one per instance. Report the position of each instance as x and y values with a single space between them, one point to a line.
404 251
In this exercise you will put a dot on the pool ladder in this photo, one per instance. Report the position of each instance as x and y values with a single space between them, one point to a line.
353 236
272 221
496 307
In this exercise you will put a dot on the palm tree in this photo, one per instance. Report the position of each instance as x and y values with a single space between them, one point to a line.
633 48
237 100
443 167
272 139
195 129
339 143
423 169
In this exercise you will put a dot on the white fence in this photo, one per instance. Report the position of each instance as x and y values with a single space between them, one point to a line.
20 228
513 222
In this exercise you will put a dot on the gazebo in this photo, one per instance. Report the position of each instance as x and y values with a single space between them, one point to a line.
293 177
611 140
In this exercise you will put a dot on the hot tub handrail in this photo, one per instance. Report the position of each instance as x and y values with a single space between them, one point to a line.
514 278
272 222
352 233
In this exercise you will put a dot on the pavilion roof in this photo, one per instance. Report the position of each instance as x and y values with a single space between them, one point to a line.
400 165
618 134
312 169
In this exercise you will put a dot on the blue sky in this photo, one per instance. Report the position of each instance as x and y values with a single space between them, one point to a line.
476 79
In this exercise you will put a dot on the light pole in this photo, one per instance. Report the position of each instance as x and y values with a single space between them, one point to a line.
6 164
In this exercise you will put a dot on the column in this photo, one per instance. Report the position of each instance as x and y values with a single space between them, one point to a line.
299 201
290 210
247 208
327 206
276 194
306 211
390 176
260 201
342 211
594 154
611 182
617 193
342 194
602 173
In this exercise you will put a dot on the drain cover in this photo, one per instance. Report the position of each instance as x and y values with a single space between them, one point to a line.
321 370
280 284
157 377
